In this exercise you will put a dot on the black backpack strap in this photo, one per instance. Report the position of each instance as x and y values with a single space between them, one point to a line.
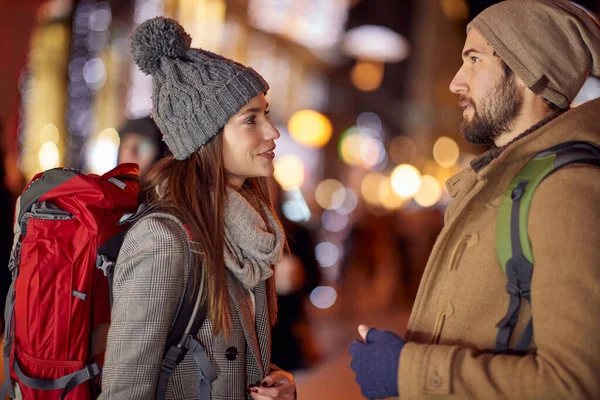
518 271
182 337
517 261
106 257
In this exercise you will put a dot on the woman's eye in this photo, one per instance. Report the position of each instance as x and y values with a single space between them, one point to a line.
267 113
250 120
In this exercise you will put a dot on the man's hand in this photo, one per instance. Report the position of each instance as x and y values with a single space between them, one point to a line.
277 385
375 362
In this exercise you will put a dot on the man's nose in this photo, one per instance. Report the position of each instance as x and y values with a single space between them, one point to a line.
459 83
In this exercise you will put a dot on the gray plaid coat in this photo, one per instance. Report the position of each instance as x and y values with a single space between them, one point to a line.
149 282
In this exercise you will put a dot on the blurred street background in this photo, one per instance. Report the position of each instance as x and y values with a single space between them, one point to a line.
369 135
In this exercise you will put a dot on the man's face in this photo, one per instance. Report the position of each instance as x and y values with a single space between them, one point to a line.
138 149
491 100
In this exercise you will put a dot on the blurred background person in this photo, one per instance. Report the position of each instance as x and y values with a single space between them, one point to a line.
141 143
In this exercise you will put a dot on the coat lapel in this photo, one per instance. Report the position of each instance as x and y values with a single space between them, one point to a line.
263 327
242 303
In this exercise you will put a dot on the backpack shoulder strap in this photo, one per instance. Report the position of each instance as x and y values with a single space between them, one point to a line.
513 245
190 317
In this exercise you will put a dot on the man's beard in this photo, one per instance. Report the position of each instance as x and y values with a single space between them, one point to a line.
495 115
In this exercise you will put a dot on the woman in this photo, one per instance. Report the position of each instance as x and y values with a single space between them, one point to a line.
213 116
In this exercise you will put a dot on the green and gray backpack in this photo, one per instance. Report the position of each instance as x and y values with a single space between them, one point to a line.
512 239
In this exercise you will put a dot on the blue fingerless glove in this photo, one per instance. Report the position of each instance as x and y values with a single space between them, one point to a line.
376 363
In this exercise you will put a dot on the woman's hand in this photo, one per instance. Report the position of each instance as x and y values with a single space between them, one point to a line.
277 385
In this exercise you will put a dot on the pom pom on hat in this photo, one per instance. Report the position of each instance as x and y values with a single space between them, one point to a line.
157 38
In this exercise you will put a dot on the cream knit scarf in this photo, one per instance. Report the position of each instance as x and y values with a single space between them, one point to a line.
250 249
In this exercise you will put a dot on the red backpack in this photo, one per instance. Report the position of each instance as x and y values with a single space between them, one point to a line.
68 231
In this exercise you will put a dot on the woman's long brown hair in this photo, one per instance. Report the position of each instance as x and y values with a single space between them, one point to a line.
183 189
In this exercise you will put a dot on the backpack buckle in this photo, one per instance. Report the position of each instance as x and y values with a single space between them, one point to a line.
513 289
104 264
519 191
170 360
522 290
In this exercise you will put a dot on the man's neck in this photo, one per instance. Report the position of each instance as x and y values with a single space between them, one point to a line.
524 122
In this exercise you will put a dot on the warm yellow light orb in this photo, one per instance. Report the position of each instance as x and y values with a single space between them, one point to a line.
109 135
48 156
446 152
429 193
367 75
372 187
310 128
350 148
330 194
406 180
289 171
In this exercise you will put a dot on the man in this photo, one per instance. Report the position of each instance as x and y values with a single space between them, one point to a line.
523 64
141 143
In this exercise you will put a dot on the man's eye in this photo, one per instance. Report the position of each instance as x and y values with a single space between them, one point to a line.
475 59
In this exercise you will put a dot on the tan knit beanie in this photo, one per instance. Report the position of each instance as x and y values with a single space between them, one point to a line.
552 45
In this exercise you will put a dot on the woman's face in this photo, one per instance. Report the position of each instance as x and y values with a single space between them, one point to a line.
249 142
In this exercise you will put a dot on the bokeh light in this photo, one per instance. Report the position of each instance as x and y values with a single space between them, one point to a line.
327 254
110 134
333 221
370 187
446 152
406 180
94 73
350 145
367 75
372 151
369 123
103 151
350 203
289 171
310 128
330 194
48 156
429 193
49 133
376 42
323 296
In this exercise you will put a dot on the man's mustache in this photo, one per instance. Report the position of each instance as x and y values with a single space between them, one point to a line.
464 101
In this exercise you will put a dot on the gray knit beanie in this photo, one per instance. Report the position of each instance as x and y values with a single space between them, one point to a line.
194 92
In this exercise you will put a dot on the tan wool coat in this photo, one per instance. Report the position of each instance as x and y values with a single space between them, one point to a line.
462 296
